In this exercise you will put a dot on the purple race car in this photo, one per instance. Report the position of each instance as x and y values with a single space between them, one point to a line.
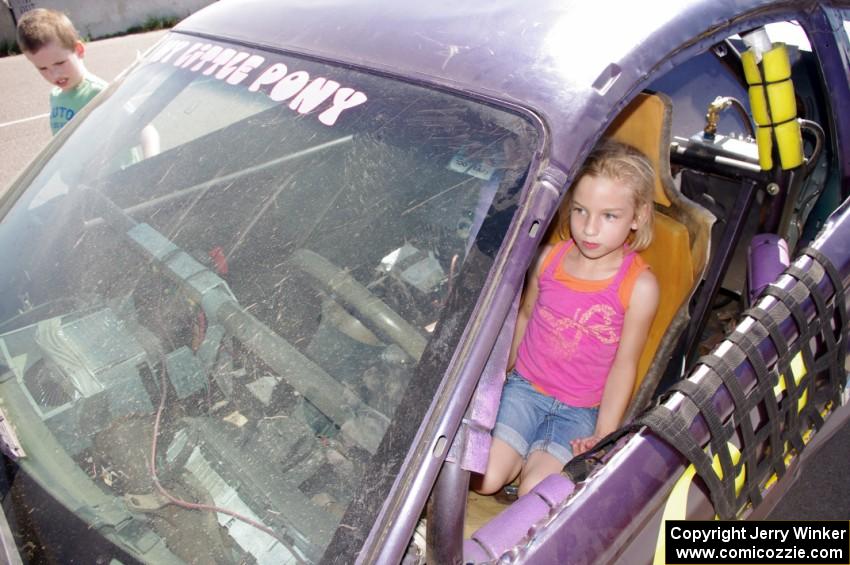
279 333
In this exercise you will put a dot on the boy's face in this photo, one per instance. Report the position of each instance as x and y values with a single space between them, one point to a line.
58 65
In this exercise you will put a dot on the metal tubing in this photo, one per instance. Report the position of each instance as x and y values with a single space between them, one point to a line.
446 514
719 265
767 258
775 210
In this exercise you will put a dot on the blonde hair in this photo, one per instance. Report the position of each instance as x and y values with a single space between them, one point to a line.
41 26
630 167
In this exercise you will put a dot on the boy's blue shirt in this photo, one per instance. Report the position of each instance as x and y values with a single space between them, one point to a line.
65 105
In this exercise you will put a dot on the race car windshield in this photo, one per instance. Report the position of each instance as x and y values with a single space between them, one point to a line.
234 276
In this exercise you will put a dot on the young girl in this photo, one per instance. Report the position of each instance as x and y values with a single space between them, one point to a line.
588 305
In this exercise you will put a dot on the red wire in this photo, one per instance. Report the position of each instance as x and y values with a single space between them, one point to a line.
185 503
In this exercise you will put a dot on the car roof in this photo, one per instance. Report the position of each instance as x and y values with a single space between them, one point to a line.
574 63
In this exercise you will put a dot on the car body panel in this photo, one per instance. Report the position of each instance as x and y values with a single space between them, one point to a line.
492 52
569 68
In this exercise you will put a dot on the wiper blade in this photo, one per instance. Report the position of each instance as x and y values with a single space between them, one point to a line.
9 443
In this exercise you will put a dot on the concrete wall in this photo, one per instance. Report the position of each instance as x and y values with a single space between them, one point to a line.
97 18
7 24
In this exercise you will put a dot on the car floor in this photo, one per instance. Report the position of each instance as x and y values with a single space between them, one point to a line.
480 509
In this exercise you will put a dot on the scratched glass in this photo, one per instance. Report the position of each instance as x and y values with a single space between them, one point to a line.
250 281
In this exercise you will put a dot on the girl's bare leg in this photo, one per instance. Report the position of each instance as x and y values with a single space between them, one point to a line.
503 466
539 465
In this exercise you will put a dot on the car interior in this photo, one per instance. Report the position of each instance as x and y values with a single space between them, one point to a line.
713 205
682 230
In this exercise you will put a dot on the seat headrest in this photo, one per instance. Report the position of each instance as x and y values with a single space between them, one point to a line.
644 124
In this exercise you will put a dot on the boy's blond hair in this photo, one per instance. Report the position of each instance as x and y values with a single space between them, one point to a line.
41 26
622 163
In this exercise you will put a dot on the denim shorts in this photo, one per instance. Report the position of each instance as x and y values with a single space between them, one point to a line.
529 420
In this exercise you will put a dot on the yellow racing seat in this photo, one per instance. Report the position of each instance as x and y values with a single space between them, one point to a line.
681 238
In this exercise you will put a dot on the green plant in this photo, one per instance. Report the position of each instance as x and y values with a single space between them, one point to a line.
155 23
8 47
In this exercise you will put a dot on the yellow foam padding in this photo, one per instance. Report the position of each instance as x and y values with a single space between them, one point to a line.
669 257
764 140
783 105
774 103
776 64
634 127
751 68
758 105
790 142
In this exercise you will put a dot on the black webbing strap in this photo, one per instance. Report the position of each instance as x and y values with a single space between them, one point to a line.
579 467
794 390
833 316
836 282
674 428
829 326
766 380
741 423
765 417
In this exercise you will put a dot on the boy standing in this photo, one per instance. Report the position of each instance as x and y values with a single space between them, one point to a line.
49 41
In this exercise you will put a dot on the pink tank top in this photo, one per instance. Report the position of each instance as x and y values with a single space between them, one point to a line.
574 331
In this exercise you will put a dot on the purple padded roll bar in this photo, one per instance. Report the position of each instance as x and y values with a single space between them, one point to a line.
766 260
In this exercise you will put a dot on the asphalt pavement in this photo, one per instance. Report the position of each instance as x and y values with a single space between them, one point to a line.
822 493
24 104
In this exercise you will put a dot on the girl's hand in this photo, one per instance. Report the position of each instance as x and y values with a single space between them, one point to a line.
582 444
